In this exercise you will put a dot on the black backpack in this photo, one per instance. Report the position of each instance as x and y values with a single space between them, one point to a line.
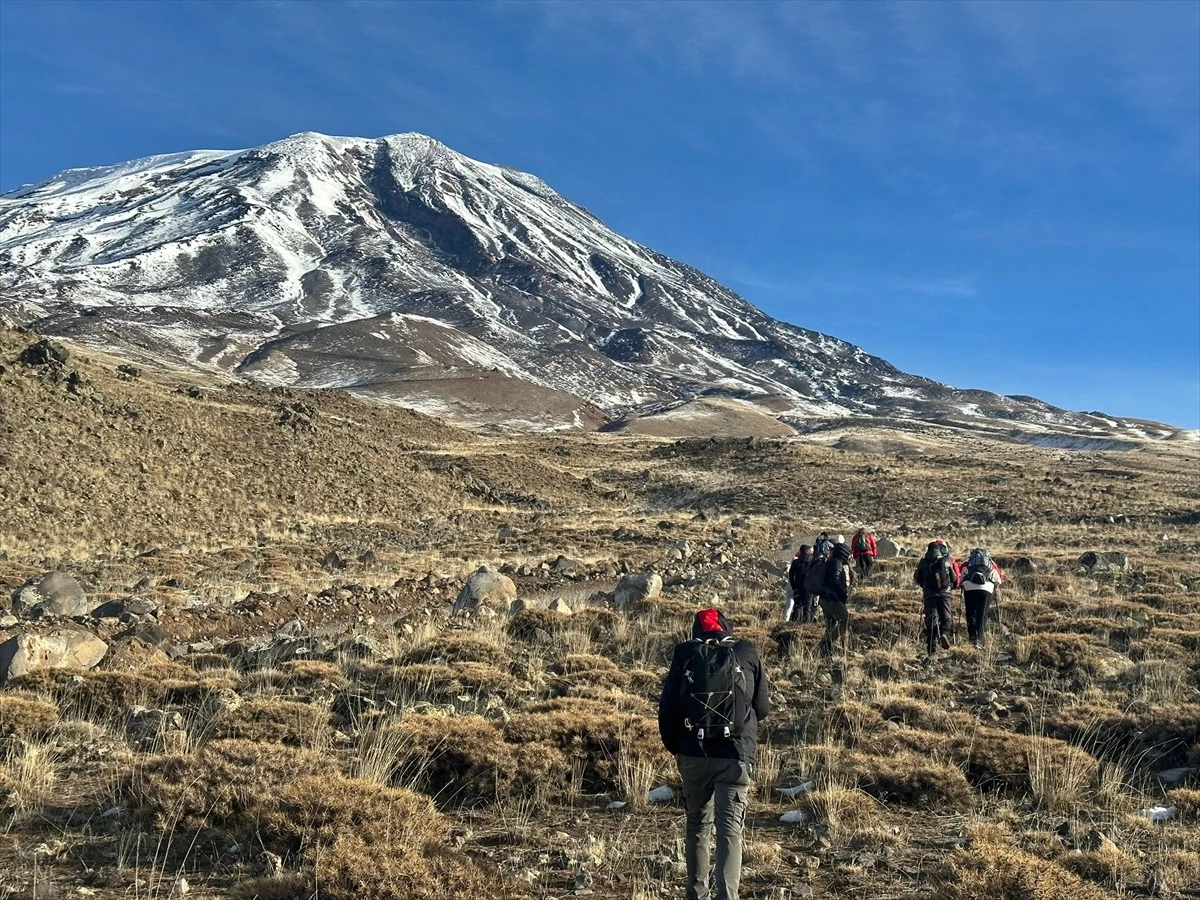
937 576
814 578
832 585
714 701
979 566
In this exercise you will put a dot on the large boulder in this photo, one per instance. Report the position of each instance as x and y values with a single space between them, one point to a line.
487 588
54 594
60 649
886 548
636 588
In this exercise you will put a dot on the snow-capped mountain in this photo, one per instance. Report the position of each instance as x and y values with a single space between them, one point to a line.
400 268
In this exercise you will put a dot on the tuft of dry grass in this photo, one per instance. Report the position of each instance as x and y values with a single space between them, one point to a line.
990 867
268 720
24 718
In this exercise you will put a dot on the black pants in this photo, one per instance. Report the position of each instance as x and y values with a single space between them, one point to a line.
804 608
977 603
939 620
865 565
837 625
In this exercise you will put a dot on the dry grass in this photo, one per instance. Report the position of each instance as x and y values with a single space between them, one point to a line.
524 728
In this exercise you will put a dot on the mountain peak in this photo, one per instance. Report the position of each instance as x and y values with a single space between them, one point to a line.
397 267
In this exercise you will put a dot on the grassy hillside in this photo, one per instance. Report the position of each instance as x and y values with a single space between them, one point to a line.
301 715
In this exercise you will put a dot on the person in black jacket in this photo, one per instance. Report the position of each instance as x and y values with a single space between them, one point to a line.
801 604
835 597
715 768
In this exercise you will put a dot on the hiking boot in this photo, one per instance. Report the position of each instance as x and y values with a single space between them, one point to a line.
945 642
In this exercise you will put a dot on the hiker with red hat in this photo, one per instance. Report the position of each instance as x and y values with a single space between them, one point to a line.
715 694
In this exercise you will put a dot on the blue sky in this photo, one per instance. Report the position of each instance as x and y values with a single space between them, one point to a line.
997 195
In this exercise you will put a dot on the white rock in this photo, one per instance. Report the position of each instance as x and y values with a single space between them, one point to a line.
794 817
661 794
1160 813
616 805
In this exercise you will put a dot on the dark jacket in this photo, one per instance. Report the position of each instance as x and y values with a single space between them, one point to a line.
677 738
835 586
796 572
919 577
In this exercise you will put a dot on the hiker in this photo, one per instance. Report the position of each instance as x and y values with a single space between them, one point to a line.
835 594
799 607
713 698
822 545
815 577
864 548
981 577
939 575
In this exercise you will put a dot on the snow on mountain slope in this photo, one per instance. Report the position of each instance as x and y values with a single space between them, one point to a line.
358 263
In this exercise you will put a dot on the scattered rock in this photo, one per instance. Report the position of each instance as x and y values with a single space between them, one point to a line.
1094 561
54 594
1105 663
559 605
794 817
636 588
60 649
486 588
661 794
45 352
1159 813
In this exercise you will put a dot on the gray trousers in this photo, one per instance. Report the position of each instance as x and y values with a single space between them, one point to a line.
712 785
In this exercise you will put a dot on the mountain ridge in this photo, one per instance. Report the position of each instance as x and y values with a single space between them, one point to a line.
399 268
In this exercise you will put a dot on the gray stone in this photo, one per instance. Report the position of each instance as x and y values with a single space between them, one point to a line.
488 588
559 605
886 548
1094 561
636 588
60 649
9 621
54 594
1175 776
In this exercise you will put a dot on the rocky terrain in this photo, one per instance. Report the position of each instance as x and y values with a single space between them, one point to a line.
402 270
262 642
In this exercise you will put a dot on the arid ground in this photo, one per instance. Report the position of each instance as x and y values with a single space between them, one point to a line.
290 707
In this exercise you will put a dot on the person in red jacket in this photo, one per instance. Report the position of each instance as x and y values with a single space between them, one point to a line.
862 545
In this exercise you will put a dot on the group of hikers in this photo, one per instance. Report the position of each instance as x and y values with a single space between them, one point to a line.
716 691
825 574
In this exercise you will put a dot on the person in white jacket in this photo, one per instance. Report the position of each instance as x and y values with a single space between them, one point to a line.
980 578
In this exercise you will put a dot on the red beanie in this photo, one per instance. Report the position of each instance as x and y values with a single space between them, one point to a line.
710 620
